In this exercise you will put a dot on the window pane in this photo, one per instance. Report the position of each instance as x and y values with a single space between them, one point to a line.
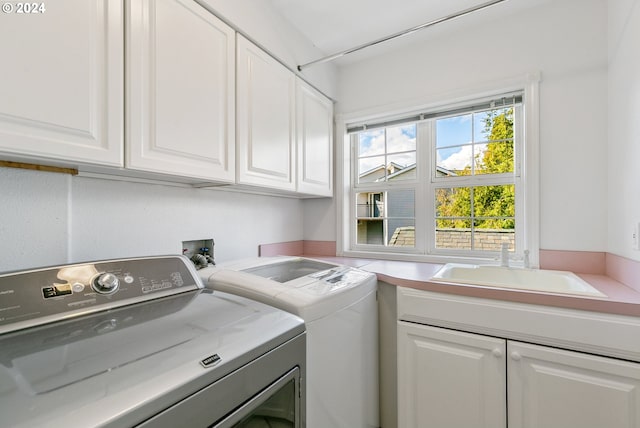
454 203
401 167
451 237
402 233
370 232
495 201
401 139
401 203
493 125
494 158
453 161
453 131
371 142
488 238
369 204
371 169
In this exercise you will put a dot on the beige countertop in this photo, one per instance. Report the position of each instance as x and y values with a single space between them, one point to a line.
621 300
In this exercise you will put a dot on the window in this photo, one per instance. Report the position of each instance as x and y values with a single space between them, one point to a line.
474 180
446 182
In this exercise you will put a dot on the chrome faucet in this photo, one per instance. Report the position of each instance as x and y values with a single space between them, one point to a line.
525 260
504 254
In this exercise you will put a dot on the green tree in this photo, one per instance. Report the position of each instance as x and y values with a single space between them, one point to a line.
488 201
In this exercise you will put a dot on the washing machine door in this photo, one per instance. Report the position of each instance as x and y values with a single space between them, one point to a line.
274 407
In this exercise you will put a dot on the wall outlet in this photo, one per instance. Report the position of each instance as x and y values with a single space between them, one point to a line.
636 237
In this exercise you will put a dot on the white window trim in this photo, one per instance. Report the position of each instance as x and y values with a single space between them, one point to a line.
530 202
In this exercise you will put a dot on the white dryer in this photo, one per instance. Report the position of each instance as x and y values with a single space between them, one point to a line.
339 307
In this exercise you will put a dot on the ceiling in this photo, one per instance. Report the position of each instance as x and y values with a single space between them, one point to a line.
336 25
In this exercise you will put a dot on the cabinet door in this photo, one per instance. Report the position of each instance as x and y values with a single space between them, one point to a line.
265 119
314 123
554 388
61 92
449 379
180 92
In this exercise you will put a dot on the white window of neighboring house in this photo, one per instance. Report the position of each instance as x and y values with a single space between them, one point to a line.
447 182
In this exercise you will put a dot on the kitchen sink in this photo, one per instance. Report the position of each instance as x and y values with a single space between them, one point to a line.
549 281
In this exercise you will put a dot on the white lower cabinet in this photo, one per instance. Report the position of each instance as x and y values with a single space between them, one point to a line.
451 379
553 388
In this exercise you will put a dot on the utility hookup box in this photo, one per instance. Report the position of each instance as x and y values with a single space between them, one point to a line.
200 252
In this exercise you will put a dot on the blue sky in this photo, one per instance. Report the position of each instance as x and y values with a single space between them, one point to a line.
453 136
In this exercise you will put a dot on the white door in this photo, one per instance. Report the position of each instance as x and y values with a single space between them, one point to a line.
450 379
265 119
315 141
180 91
61 91
551 388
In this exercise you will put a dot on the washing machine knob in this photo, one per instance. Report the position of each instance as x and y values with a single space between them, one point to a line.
105 283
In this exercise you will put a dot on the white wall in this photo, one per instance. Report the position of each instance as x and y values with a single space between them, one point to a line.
48 218
624 125
567 42
121 219
34 218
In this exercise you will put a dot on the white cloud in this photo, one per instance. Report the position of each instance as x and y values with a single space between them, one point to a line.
373 143
397 141
460 159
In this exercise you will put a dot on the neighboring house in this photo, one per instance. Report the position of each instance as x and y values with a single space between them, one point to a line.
394 223
379 172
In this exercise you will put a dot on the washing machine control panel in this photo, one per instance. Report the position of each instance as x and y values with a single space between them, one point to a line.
41 296
105 283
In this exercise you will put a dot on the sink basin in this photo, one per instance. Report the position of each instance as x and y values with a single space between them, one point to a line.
550 281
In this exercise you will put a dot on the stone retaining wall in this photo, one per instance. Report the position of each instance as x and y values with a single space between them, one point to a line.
490 239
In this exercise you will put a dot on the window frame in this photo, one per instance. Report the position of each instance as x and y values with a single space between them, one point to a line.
526 170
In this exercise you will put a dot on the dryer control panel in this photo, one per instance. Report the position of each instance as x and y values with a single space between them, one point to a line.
40 296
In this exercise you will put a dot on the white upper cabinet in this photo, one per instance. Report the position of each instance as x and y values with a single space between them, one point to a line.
180 99
314 122
149 87
265 119
61 92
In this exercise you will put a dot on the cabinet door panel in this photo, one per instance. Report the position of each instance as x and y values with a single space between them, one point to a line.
61 94
180 101
266 119
558 389
449 379
315 141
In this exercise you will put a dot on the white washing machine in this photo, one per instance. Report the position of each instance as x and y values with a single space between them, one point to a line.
339 307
